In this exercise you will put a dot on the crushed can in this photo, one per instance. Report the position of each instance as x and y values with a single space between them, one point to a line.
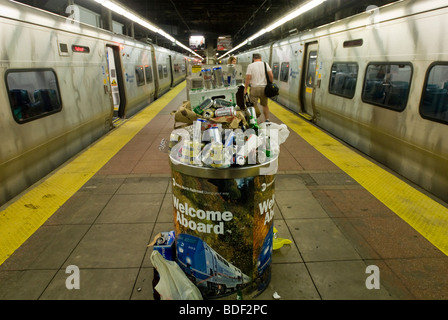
206 104
227 111
221 103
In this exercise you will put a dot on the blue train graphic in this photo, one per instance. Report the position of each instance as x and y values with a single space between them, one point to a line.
211 273
265 256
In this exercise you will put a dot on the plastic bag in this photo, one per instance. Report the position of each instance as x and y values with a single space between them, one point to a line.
283 131
278 133
173 283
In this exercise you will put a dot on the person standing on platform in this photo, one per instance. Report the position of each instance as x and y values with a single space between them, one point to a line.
232 60
256 78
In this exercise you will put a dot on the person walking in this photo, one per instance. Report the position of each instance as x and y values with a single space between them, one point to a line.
256 78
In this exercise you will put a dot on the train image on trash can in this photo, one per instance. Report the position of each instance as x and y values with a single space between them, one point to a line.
212 274
378 81
265 256
62 84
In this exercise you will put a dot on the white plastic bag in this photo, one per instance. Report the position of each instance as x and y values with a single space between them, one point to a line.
278 133
283 131
173 283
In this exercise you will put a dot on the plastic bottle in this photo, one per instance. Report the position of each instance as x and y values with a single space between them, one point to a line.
207 78
231 75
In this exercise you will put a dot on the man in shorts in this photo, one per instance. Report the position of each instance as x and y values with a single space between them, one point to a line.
256 78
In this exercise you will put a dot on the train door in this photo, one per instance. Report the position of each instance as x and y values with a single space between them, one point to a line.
307 90
116 80
155 72
170 65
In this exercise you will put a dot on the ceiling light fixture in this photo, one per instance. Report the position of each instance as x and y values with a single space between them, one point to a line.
293 14
125 12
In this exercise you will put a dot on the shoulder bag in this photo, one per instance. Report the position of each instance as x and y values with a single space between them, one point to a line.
271 89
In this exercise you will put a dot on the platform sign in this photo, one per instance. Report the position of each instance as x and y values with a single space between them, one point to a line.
197 42
224 232
224 43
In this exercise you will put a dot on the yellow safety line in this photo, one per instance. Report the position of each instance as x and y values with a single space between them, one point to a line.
23 217
425 215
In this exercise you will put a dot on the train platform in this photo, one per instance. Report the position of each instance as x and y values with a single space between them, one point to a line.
358 231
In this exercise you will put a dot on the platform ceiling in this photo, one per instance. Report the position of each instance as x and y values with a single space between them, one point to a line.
238 18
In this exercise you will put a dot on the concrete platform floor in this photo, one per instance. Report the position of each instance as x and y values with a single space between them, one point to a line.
338 229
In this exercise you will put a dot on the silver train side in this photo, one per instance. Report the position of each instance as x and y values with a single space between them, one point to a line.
378 81
61 84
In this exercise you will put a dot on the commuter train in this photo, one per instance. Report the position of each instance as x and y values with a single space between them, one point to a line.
212 274
62 83
378 81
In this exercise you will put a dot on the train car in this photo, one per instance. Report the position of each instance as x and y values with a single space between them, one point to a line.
213 274
378 81
61 84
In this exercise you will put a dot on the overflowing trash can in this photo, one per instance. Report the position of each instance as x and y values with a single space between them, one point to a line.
224 227
223 166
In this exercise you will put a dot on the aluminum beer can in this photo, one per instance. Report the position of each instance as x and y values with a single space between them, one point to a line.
221 103
209 113
207 103
204 124
215 135
226 111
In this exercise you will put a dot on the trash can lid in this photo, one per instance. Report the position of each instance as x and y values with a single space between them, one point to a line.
267 168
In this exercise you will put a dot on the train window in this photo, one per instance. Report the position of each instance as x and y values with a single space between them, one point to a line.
33 93
387 85
160 69
176 68
311 70
434 103
139 76
275 70
343 79
284 72
165 71
148 74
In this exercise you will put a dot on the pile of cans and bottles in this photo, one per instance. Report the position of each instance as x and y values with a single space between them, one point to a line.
221 133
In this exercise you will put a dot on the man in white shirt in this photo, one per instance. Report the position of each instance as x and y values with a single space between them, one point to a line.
256 78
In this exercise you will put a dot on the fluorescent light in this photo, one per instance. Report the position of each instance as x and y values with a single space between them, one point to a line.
125 12
166 35
293 14
258 34
114 7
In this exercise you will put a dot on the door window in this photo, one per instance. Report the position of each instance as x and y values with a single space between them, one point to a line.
434 104
311 69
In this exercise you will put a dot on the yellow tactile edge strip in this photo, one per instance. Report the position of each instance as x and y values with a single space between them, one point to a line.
425 215
24 216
